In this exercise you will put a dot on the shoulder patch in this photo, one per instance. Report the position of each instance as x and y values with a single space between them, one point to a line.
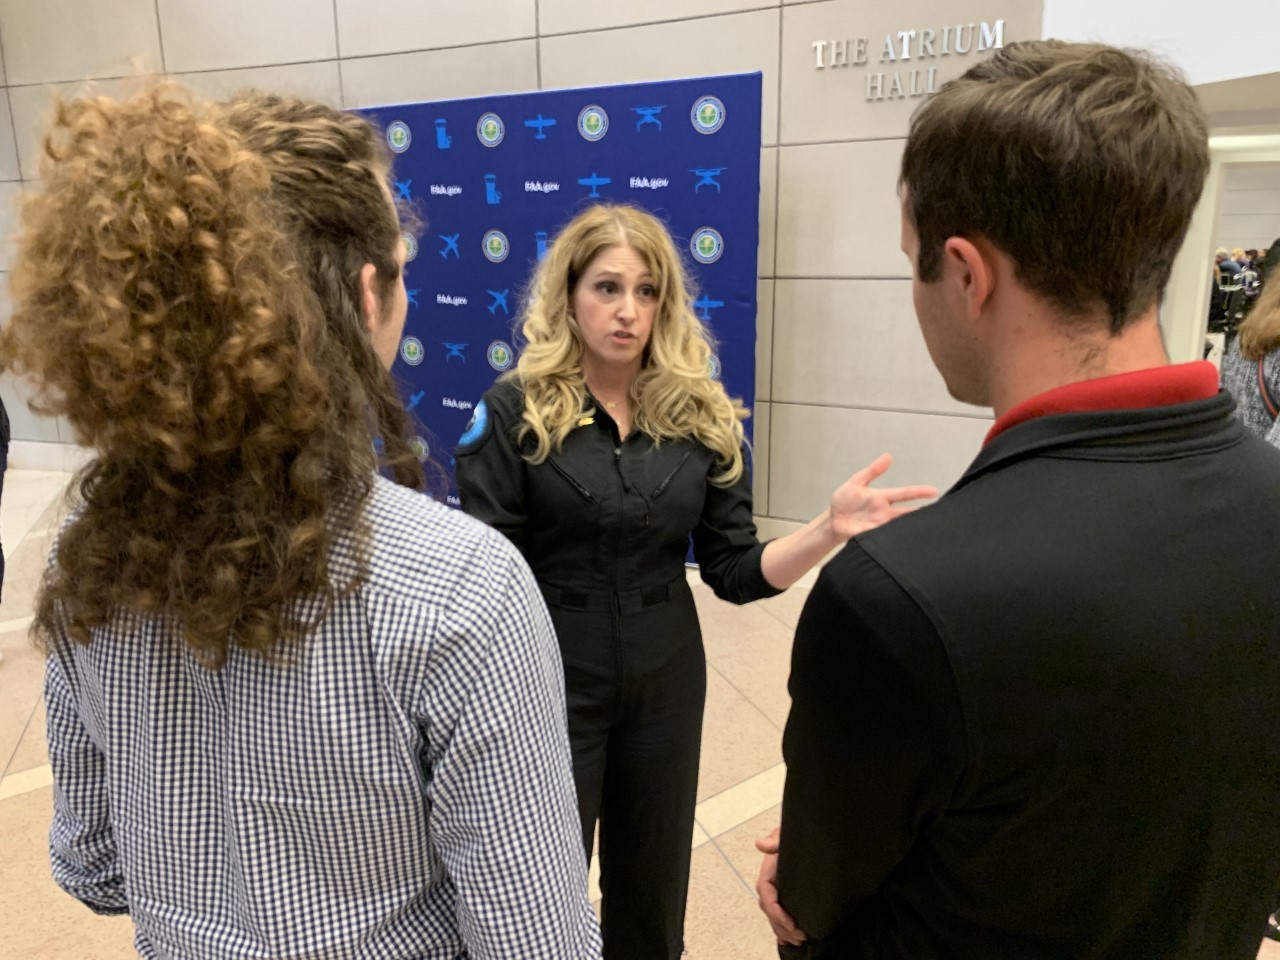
478 429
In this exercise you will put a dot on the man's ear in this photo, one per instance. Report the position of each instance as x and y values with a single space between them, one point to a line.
969 266
370 308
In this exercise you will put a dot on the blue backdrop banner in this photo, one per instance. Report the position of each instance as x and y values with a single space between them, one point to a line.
496 177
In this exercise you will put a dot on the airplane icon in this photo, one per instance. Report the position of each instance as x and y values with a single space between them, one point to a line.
707 177
455 350
704 305
450 246
594 181
402 189
415 399
499 300
649 115
413 297
540 124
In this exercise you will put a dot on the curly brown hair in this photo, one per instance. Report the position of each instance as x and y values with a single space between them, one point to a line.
160 306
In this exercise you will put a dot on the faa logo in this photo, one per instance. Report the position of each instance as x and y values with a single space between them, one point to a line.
707 114
496 246
490 129
707 245
713 367
399 136
410 247
419 448
501 356
593 123
411 351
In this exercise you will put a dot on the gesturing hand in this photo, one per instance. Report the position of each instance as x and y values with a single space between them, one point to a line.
784 928
857 507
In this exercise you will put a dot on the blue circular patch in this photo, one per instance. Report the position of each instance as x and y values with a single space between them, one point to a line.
490 129
399 136
707 114
477 426
706 245
593 122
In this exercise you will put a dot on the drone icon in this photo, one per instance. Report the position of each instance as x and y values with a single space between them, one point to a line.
649 115
499 300
450 246
707 177
540 124
594 181
454 350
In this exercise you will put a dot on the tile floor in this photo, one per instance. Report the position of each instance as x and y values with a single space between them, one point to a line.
748 651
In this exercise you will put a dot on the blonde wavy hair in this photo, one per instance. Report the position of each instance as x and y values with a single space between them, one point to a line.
1260 332
674 395
160 306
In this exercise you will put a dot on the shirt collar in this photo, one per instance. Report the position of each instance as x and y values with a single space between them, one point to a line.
1154 387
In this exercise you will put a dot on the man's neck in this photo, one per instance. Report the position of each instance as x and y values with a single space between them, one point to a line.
1038 356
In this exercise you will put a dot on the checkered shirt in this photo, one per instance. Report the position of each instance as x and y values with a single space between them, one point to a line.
402 790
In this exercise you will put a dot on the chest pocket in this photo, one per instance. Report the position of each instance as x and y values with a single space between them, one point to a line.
677 496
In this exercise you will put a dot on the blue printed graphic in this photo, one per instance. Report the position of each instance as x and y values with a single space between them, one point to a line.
707 177
443 140
704 305
536 160
649 115
594 182
491 194
540 123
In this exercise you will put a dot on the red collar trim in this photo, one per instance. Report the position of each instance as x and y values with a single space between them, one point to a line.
1156 387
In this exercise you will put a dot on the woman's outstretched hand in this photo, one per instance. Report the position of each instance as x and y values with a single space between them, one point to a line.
857 507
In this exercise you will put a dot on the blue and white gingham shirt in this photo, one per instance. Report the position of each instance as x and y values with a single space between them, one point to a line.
403 790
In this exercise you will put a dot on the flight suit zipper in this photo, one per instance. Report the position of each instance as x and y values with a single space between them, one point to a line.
614 601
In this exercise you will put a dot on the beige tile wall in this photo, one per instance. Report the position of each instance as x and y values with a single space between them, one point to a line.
841 370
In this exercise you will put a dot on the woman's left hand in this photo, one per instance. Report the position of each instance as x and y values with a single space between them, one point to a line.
856 507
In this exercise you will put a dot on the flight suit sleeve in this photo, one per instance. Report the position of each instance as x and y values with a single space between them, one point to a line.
490 469
725 543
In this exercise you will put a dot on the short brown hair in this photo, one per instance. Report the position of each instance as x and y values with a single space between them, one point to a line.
1082 162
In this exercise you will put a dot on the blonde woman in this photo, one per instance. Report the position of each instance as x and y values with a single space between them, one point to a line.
605 450
1251 366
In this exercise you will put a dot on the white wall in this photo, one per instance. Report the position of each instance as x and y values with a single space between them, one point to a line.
1209 42
1250 212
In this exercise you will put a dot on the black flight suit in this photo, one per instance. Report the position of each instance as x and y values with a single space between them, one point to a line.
605 525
